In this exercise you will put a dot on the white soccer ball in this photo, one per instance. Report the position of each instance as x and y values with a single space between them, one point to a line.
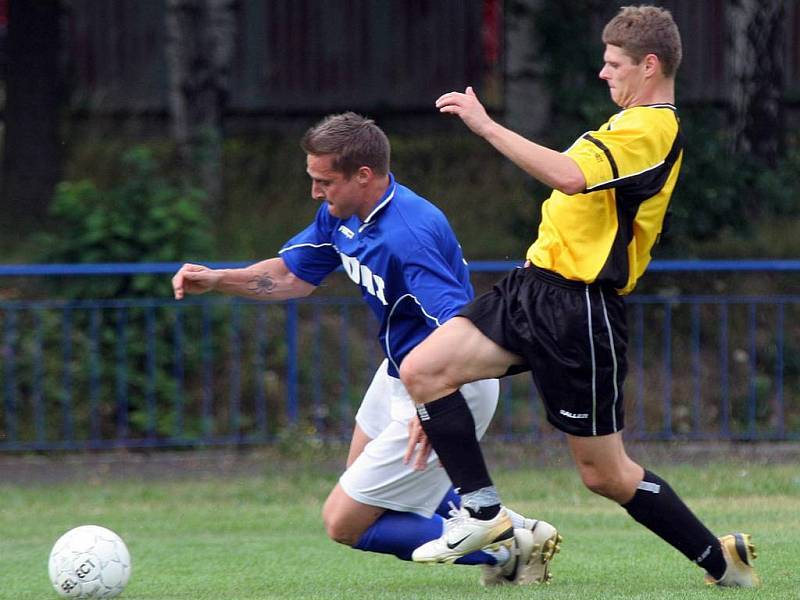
89 562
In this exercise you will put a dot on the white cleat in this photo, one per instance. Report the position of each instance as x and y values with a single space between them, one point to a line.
739 553
464 534
531 554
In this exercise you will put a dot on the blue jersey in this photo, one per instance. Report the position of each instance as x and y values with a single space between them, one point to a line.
405 258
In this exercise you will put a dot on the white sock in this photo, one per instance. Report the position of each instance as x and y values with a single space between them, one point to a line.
501 555
517 519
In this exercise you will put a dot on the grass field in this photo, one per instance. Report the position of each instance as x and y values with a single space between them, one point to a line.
254 537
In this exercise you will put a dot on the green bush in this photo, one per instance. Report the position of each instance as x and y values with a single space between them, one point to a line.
142 218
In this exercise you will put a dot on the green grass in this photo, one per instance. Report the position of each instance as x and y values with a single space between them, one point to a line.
261 537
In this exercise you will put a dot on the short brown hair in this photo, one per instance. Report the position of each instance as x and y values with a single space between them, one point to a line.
643 30
353 140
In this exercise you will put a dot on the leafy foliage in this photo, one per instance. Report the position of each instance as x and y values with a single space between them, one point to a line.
571 52
142 218
720 192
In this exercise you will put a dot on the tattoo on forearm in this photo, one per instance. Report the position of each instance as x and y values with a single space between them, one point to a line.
261 284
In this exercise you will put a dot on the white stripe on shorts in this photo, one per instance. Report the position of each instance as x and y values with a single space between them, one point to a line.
613 359
594 363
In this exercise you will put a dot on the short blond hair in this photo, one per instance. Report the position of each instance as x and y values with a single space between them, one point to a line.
643 30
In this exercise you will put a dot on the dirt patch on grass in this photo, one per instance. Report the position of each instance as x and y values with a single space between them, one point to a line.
60 467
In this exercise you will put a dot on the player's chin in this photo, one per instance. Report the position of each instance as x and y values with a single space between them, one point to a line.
338 213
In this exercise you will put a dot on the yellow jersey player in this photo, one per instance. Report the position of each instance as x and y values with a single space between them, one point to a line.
563 317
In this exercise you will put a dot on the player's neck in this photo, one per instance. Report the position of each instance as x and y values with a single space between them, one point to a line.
661 93
373 193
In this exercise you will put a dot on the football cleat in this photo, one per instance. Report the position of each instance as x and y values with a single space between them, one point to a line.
531 554
739 553
464 534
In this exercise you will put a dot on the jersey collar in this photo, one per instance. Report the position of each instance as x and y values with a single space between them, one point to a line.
385 199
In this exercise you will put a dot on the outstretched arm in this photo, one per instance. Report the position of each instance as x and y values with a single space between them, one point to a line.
269 279
552 168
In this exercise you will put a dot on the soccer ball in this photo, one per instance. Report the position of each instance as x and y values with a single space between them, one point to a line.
89 562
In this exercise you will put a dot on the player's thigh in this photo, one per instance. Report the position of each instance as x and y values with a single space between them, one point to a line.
380 478
374 412
357 444
346 519
457 353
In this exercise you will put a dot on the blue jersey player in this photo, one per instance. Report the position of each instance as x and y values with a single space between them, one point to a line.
402 253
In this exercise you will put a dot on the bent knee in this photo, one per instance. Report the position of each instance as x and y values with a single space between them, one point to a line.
595 483
338 530
423 381
414 376
611 487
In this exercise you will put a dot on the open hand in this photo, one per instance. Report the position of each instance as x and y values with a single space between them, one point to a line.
419 448
468 107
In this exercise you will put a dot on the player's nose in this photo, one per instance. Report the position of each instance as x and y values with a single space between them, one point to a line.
317 193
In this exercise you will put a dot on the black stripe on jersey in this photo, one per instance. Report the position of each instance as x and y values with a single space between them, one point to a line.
631 192
604 148
634 180
638 188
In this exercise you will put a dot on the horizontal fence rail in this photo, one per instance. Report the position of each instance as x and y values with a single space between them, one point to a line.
211 370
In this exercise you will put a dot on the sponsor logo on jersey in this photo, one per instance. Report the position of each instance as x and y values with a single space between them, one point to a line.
363 276
346 232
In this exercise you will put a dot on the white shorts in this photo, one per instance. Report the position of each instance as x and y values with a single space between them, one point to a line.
378 476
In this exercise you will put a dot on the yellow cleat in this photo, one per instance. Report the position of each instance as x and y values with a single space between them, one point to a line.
739 553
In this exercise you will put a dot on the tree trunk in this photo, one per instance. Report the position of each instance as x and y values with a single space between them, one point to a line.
200 46
755 53
34 94
527 97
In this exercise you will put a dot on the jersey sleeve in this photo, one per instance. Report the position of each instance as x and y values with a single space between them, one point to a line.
620 152
310 254
434 286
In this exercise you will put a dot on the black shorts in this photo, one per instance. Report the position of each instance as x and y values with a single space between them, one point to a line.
573 338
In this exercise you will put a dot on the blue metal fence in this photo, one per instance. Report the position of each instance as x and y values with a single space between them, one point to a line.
211 370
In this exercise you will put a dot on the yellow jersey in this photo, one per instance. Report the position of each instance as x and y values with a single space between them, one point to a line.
605 234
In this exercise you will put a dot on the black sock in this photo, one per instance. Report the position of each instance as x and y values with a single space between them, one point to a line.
450 428
656 506
484 513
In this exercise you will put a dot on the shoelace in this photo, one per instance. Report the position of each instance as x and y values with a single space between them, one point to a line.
457 517
454 511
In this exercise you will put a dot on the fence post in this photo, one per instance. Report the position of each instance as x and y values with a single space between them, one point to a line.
667 423
725 408
9 370
779 371
66 364
291 362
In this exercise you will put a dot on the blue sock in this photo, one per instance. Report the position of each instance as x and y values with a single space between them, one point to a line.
444 507
399 533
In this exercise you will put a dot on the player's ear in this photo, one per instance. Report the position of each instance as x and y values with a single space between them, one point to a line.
364 175
652 64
